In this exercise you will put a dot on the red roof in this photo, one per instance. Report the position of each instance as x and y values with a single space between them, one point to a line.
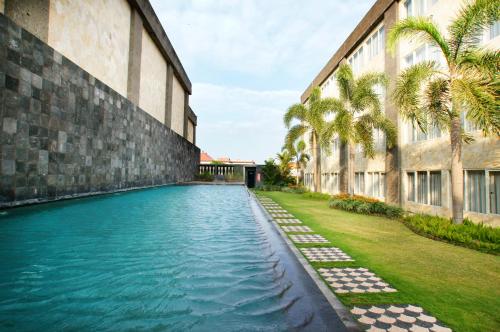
205 157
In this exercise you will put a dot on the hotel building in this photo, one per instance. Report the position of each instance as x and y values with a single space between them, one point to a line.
416 173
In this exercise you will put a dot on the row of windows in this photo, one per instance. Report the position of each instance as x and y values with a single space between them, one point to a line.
481 189
422 7
374 45
418 7
369 184
415 134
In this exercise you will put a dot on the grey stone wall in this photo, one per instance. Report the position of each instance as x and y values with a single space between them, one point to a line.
64 133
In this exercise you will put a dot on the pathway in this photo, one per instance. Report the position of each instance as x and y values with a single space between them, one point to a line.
341 280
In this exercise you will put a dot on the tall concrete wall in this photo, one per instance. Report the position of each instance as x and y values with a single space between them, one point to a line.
178 107
95 35
153 79
120 42
31 14
65 133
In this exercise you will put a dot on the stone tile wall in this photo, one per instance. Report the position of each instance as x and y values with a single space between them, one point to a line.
65 133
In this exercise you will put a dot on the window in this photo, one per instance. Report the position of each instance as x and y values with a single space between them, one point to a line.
381 39
375 184
422 187
335 146
379 138
411 186
409 8
475 193
375 43
357 61
359 182
435 188
417 135
495 29
334 183
466 124
495 192
418 7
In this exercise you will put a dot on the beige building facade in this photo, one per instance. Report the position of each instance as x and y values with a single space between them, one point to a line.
416 173
120 42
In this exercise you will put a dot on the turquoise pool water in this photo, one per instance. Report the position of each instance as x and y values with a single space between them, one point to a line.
172 258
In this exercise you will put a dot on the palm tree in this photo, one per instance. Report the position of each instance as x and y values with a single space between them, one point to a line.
300 156
358 112
311 118
284 159
425 94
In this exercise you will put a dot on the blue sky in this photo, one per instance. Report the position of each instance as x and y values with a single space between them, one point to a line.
249 60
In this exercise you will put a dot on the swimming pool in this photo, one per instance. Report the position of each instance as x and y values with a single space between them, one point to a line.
198 258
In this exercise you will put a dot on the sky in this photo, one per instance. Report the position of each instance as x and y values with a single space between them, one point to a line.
249 60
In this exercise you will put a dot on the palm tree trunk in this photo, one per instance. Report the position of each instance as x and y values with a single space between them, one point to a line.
317 164
350 168
297 171
457 173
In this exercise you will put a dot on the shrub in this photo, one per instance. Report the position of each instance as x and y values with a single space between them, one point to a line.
319 196
205 176
364 205
468 234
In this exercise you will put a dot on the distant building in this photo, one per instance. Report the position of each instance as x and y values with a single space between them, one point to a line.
205 158
235 170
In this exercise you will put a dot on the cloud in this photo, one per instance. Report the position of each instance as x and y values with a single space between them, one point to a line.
258 37
240 123
255 58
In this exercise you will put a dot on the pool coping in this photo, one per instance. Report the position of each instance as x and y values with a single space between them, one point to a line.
342 311
38 201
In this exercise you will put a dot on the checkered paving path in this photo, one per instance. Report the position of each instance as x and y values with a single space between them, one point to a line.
308 238
303 229
354 280
281 215
397 318
288 221
331 254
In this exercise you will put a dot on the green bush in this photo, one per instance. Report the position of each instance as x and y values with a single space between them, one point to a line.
319 196
205 176
468 234
364 205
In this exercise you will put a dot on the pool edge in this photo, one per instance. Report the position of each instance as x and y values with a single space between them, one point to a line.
341 310
39 201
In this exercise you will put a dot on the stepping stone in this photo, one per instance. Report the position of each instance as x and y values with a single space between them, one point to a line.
303 229
331 254
277 210
281 215
397 317
288 221
354 280
308 238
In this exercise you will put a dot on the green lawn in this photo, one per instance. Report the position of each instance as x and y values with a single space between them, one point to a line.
460 286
